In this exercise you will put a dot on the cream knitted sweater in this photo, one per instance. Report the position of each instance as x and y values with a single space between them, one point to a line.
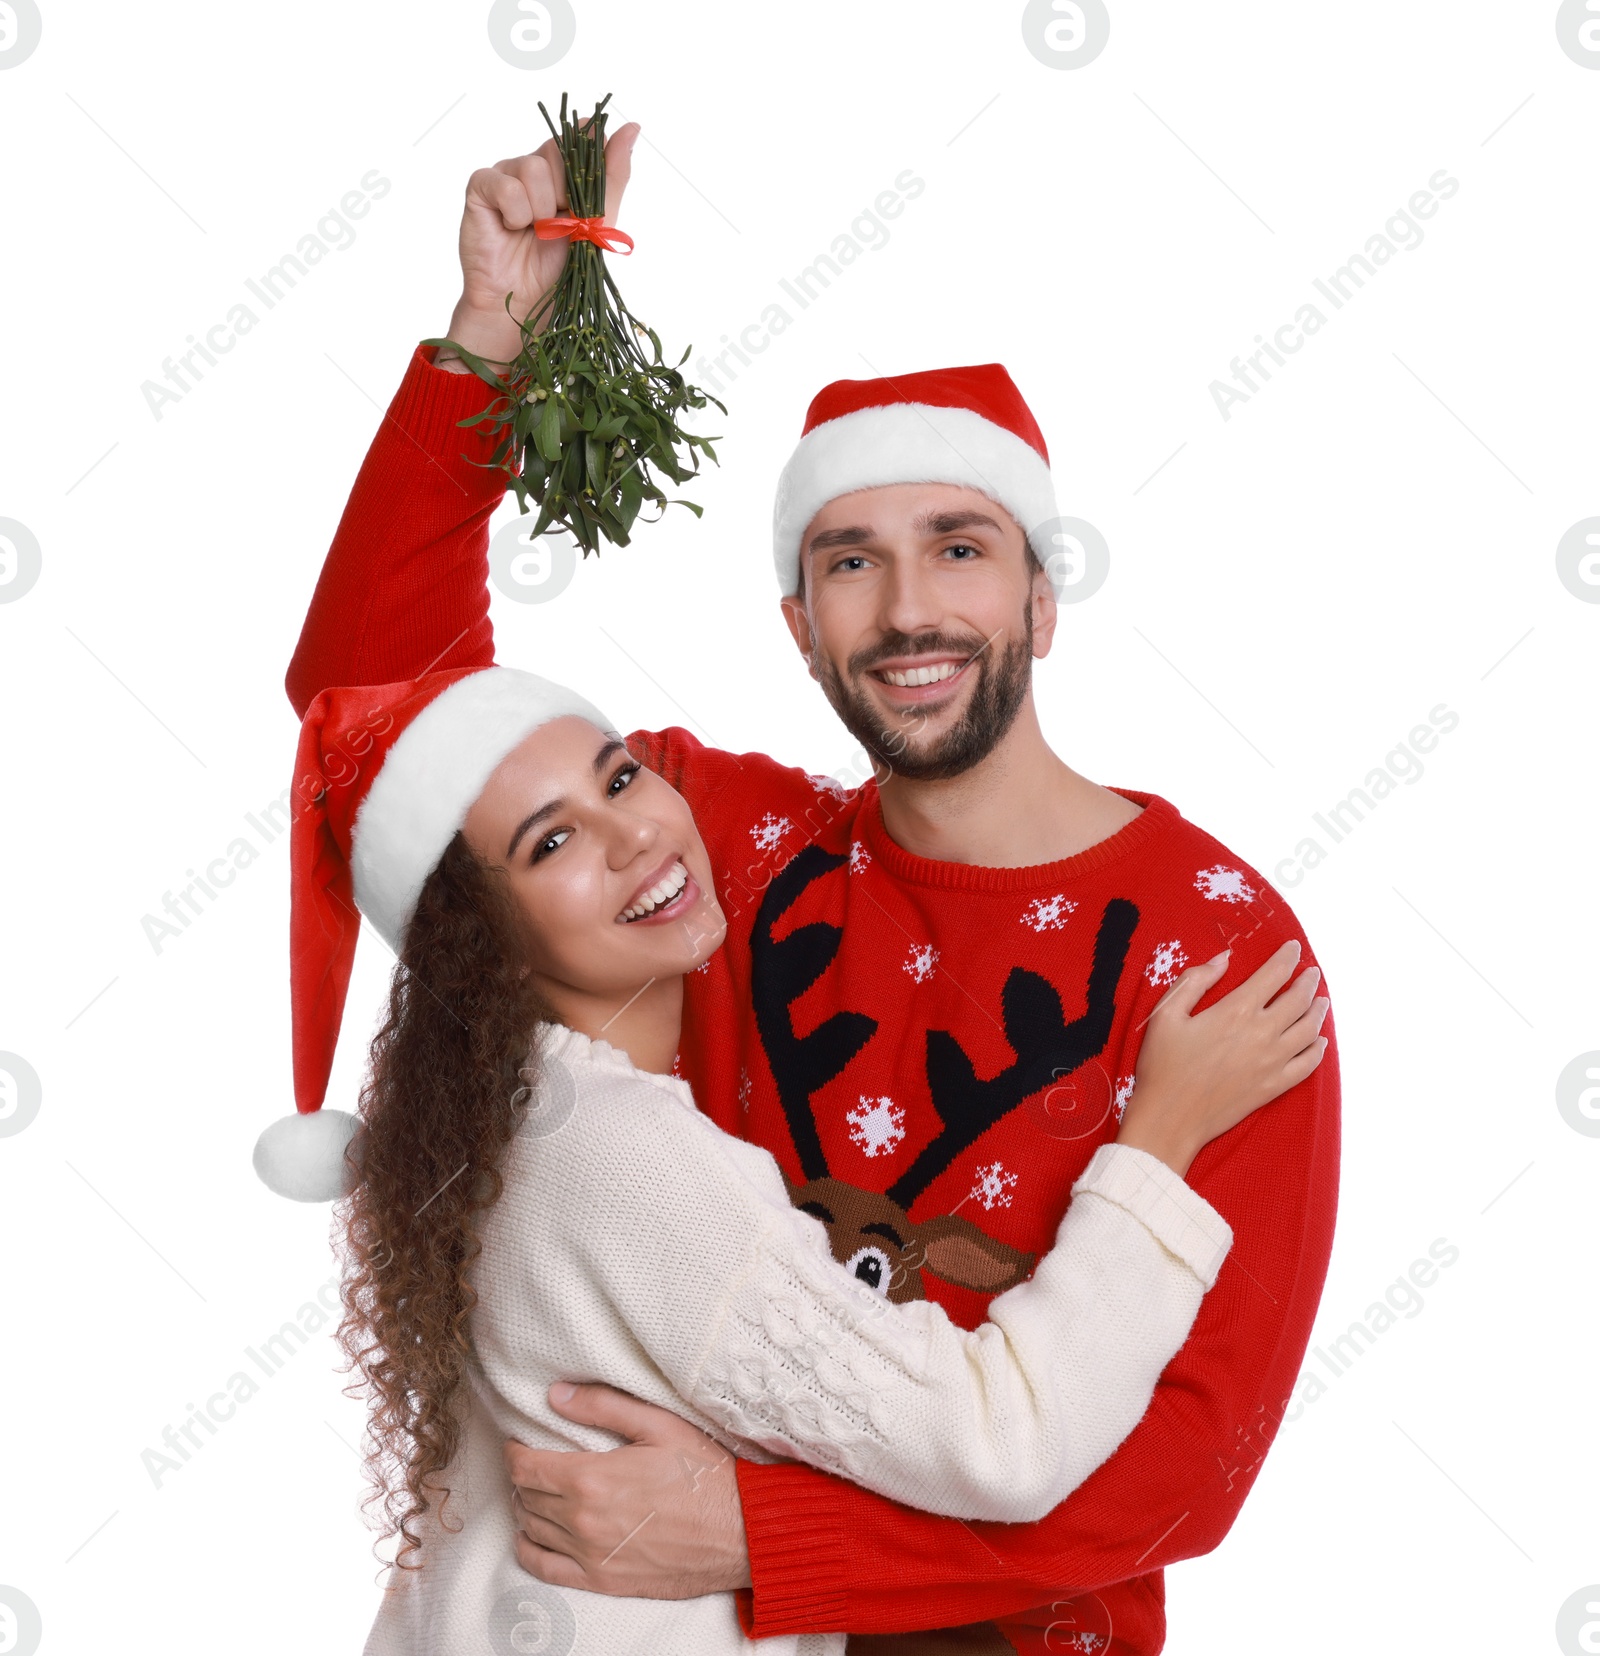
637 1244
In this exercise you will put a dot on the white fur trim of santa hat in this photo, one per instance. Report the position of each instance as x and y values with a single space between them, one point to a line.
905 443
432 776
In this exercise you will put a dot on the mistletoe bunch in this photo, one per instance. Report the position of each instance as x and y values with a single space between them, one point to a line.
585 418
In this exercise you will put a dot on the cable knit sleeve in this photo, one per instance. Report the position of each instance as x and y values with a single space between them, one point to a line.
687 1239
1002 1422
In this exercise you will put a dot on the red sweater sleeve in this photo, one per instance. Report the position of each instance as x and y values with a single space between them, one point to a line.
404 589
825 1555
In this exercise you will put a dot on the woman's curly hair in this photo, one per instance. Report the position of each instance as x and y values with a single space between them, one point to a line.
449 1068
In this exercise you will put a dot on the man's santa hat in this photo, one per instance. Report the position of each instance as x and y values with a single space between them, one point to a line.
947 425
384 776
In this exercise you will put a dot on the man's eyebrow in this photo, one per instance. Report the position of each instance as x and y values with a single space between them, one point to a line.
946 523
859 535
927 523
535 817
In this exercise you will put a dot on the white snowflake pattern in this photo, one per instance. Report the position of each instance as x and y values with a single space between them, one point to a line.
769 831
744 1089
704 966
1124 1093
1225 884
877 1125
1089 1642
860 856
1048 913
1165 964
829 785
994 1186
920 961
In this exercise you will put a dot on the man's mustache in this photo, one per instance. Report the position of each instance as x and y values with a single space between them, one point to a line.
904 644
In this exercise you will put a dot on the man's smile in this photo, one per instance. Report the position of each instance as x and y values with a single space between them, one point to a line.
912 681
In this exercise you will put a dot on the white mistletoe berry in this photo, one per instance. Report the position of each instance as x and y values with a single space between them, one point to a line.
1225 884
877 1125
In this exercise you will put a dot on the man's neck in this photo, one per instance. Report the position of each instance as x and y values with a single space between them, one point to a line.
1019 807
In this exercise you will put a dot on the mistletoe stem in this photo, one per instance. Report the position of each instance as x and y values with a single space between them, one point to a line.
585 420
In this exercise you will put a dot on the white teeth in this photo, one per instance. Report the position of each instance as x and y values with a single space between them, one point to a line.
923 675
668 887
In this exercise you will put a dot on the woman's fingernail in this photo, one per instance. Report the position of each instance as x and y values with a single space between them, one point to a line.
562 1391
1216 957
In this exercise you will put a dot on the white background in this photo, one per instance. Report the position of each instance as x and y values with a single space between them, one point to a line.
1291 590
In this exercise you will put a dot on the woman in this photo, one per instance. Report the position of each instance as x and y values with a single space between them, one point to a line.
537 1198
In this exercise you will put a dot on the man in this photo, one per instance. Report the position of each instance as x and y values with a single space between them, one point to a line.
930 1000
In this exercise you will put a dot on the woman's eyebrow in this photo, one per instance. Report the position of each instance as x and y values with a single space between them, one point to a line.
535 817
600 759
529 821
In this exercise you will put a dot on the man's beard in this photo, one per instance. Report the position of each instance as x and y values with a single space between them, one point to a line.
992 705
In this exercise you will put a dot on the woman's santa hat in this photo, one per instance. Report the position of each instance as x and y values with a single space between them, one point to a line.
384 777
968 426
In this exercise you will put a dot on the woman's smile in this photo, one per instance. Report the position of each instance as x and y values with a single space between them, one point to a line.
668 892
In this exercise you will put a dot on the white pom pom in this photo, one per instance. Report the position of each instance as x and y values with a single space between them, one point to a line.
302 1156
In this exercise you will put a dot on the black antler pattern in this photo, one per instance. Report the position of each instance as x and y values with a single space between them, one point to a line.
1046 1045
779 974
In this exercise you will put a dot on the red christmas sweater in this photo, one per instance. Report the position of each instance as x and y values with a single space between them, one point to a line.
946 1045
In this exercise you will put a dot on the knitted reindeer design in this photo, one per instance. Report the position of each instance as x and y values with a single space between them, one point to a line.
873 1235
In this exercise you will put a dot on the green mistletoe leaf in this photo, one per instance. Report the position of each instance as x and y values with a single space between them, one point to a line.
586 415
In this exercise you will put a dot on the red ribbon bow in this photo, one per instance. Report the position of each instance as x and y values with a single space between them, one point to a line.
594 230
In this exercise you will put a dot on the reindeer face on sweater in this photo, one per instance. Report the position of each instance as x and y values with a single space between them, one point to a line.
872 1234
879 1244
